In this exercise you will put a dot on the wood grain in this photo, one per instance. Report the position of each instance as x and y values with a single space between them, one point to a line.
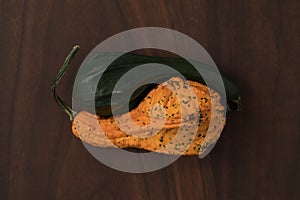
256 42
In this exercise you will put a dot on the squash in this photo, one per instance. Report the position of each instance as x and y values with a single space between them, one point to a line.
103 129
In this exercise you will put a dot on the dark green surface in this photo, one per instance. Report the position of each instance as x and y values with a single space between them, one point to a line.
128 61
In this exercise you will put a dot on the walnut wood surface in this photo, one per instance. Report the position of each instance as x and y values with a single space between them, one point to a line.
255 42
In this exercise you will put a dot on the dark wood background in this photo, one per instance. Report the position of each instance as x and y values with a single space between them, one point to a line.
255 41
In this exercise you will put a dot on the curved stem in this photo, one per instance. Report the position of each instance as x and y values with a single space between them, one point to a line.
66 108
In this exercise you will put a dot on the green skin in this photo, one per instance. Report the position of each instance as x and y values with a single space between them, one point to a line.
123 64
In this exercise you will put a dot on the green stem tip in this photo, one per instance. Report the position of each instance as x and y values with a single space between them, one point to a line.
66 108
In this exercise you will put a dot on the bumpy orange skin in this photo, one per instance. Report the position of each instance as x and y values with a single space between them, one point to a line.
187 108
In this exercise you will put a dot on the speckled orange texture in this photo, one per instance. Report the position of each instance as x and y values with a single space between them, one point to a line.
170 112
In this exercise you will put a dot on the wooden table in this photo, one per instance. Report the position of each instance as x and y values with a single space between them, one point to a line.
256 42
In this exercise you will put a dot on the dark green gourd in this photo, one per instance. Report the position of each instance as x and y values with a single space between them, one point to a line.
128 61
